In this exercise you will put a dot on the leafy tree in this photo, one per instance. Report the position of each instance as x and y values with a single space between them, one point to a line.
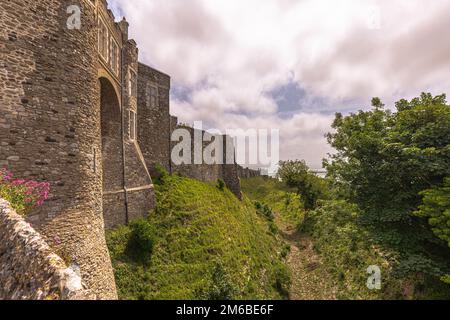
385 159
296 174
436 207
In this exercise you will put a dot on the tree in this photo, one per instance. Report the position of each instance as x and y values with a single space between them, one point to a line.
384 160
296 174
436 208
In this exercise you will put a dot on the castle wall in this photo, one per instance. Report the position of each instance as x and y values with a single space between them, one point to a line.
127 185
50 127
138 182
247 172
209 172
25 255
154 117
230 171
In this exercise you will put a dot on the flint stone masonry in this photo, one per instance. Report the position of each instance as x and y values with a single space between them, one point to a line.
50 111
247 172
29 268
228 172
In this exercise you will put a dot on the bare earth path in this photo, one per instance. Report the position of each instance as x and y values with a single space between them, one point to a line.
310 280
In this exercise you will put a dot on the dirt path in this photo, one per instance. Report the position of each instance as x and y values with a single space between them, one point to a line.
310 280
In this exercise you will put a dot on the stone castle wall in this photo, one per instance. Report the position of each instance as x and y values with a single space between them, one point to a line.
29 268
66 119
155 128
50 126
209 172
247 173
154 117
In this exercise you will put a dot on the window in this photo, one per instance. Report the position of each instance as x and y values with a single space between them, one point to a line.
152 96
132 125
132 86
114 58
102 39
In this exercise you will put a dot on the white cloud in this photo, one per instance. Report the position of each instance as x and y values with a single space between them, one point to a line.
230 53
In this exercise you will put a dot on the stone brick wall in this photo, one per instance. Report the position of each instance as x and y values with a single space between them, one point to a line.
209 172
134 197
154 118
29 268
247 172
50 126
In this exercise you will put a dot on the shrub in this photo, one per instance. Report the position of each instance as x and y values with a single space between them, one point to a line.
220 184
23 195
285 251
282 280
436 207
221 286
264 210
142 240
160 175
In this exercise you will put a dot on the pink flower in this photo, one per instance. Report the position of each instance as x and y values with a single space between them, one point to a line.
26 193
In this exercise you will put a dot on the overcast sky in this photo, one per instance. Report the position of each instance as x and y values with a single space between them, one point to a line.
291 64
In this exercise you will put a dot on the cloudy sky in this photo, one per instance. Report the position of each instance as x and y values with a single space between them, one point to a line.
291 64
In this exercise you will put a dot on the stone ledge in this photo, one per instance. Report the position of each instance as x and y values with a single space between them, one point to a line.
29 269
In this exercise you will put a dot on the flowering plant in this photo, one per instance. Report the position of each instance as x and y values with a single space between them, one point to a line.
23 195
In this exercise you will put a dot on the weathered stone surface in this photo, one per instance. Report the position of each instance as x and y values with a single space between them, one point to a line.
29 268
56 133
247 173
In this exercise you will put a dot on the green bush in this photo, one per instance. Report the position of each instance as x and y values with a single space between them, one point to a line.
436 207
142 240
161 175
264 210
348 249
220 287
220 184
384 161
287 204
282 280
296 174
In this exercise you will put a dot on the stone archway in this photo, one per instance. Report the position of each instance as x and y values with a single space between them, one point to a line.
114 211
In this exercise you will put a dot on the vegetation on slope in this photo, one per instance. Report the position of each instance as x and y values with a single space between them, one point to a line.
394 166
204 244
278 196
343 249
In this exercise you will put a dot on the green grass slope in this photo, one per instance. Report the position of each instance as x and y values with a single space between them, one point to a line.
206 245
281 199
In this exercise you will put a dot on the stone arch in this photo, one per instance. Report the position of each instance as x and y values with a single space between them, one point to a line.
102 73
111 133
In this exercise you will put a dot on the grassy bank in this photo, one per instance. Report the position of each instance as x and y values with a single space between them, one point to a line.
281 199
201 243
